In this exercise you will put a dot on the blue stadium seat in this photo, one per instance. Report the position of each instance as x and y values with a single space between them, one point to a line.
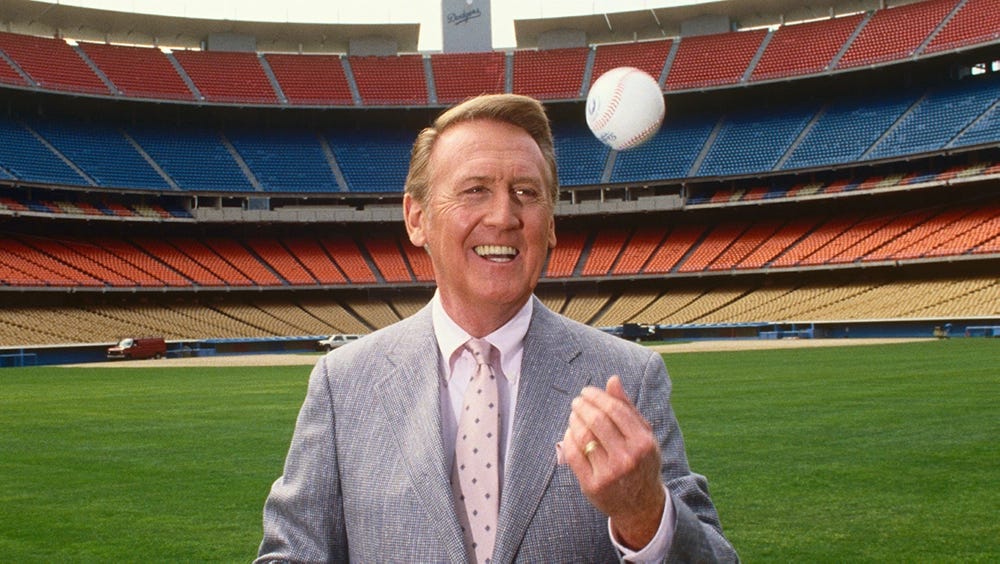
580 157
194 157
847 129
987 128
754 141
937 119
102 152
669 154
372 161
285 160
26 158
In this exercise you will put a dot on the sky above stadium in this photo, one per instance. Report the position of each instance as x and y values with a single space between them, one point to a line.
424 12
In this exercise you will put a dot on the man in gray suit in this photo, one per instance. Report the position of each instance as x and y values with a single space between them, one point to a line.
591 464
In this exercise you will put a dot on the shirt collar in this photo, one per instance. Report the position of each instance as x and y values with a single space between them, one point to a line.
508 339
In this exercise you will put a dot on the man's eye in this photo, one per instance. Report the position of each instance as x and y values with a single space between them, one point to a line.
526 193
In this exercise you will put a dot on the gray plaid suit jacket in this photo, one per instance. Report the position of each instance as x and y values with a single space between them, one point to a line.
365 479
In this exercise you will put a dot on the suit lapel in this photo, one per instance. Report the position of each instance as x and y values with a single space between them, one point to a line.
410 397
546 387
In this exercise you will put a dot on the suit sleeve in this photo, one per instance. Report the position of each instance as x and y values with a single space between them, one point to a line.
303 515
697 535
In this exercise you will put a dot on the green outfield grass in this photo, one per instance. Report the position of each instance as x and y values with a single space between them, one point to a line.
877 453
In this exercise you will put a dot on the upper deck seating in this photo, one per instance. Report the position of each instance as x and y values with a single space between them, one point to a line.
713 60
895 33
138 72
551 74
8 75
228 77
52 63
395 80
458 76
311 79
977 21
648 56
805 48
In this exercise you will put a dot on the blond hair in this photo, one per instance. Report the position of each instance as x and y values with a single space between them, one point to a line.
521 111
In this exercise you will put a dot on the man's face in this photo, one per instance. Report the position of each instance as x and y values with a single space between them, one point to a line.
487 222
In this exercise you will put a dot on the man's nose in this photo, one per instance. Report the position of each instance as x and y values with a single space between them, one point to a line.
504 210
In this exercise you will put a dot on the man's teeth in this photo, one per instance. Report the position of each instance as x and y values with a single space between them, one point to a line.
497 253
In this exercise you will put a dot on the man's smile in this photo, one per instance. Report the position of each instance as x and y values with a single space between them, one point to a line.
496 253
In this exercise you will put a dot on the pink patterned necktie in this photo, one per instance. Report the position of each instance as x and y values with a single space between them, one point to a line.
475 479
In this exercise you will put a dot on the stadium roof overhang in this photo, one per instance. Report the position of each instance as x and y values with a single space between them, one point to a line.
88 24
658 23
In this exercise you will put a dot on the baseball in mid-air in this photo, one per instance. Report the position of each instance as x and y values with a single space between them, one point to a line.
625 108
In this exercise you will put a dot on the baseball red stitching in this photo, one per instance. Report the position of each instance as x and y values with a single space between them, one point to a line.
616 97
641 136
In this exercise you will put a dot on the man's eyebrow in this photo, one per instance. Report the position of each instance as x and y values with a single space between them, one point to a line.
516 180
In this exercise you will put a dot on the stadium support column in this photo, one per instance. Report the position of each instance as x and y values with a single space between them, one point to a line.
466 26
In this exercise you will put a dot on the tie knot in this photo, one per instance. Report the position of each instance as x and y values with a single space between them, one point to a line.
481 350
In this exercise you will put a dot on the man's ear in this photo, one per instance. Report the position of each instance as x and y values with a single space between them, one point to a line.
413 216
552 233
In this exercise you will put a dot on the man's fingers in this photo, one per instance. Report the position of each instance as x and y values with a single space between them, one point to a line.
615 389
590 420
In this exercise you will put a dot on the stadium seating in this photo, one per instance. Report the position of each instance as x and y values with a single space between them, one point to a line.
282 262
101 152
285 160
553 74
637 251
387 256
228 77
888 34
846 128
895 33
938 118
396 80
713 60
27 158
52 64
716 241
604 251
806 48
139 72
771 134
678 243
458 76
564 258
310 253
195 158
977 21
580 157
671 153
311 79
648 56
74 171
